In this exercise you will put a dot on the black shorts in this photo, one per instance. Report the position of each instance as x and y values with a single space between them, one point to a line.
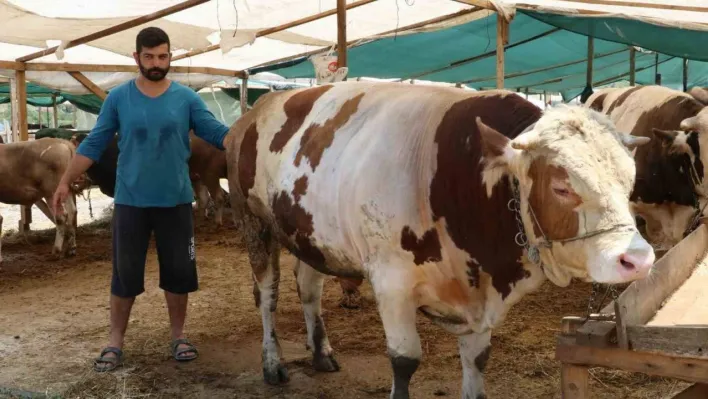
174 239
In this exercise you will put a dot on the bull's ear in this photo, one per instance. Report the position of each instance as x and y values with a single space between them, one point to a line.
700 94
632 142
494 144
674 140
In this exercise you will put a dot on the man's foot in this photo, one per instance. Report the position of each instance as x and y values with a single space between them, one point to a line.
183 350
110 358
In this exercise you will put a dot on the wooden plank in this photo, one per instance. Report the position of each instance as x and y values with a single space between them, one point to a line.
676 340
68 67
502 35
644 297
694 370
279 28
695 391
688 304
117 28
621 327
341 33
14 65
598 334
15 111
87 83
574 382
632 65
570 324
478 3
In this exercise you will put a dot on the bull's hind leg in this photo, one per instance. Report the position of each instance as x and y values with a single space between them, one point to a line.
0 238
474 352
309 289
264 252
60 222
397 308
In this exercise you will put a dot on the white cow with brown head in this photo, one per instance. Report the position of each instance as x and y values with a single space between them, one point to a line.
414 188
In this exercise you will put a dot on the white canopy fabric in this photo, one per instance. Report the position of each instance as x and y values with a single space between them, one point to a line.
30 25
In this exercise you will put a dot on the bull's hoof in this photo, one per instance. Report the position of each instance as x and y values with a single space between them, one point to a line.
326 364
279 376
71 252
350 300
56 255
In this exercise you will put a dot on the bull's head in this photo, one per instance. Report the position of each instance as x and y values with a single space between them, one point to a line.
575 173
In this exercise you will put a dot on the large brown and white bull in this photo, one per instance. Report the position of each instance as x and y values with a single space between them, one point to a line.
670 190
451 203
29 174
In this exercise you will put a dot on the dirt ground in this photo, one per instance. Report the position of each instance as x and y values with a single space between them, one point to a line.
54 321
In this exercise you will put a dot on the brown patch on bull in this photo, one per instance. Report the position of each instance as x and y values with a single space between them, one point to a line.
317 138
558 218
425 249
598 102
291 217
300 188
480 225
622 98
296 110
247 159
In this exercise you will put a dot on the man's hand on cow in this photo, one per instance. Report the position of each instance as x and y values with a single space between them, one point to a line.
60 196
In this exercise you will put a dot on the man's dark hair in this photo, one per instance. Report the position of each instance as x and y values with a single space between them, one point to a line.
151 37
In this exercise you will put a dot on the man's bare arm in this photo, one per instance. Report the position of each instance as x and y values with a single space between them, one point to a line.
78 166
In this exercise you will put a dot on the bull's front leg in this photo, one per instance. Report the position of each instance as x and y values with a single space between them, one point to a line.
70 228
264 253
474 353
397 308
60 222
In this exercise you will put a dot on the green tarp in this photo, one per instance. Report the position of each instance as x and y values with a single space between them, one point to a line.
41 96
539 57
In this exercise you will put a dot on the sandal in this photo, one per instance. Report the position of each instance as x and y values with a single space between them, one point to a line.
99 364
178 353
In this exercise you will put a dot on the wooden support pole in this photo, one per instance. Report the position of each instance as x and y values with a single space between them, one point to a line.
15 108
341 33
657 77
591 53
243 99
115 29
685 75
87 83
502 40
269 31
632 65
56 114
19 113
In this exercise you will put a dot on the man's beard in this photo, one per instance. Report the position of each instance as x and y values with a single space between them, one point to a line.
154 74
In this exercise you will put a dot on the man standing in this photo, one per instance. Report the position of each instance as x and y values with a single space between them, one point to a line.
152 116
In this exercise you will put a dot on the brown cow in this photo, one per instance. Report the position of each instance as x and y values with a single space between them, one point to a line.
670 190
29 174
451 203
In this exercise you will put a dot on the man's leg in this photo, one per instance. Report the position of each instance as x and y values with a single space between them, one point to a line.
174 237
131 236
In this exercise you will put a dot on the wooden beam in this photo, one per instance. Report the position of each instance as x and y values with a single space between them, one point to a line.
243 99
478 3
502 40
680 340
544 69
481 56
624 3
269 31
117 28
632 65
14 65
15 117
695 370
87 83
591 53
341 33
371 38
685 75
21 93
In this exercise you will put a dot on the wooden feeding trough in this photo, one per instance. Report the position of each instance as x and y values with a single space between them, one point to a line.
657 326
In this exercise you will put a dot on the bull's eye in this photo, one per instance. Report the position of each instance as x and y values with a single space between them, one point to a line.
563 192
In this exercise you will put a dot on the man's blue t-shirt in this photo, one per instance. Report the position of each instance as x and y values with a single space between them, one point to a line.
153 139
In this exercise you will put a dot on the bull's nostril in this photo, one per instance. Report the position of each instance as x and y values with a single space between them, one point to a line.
626 264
